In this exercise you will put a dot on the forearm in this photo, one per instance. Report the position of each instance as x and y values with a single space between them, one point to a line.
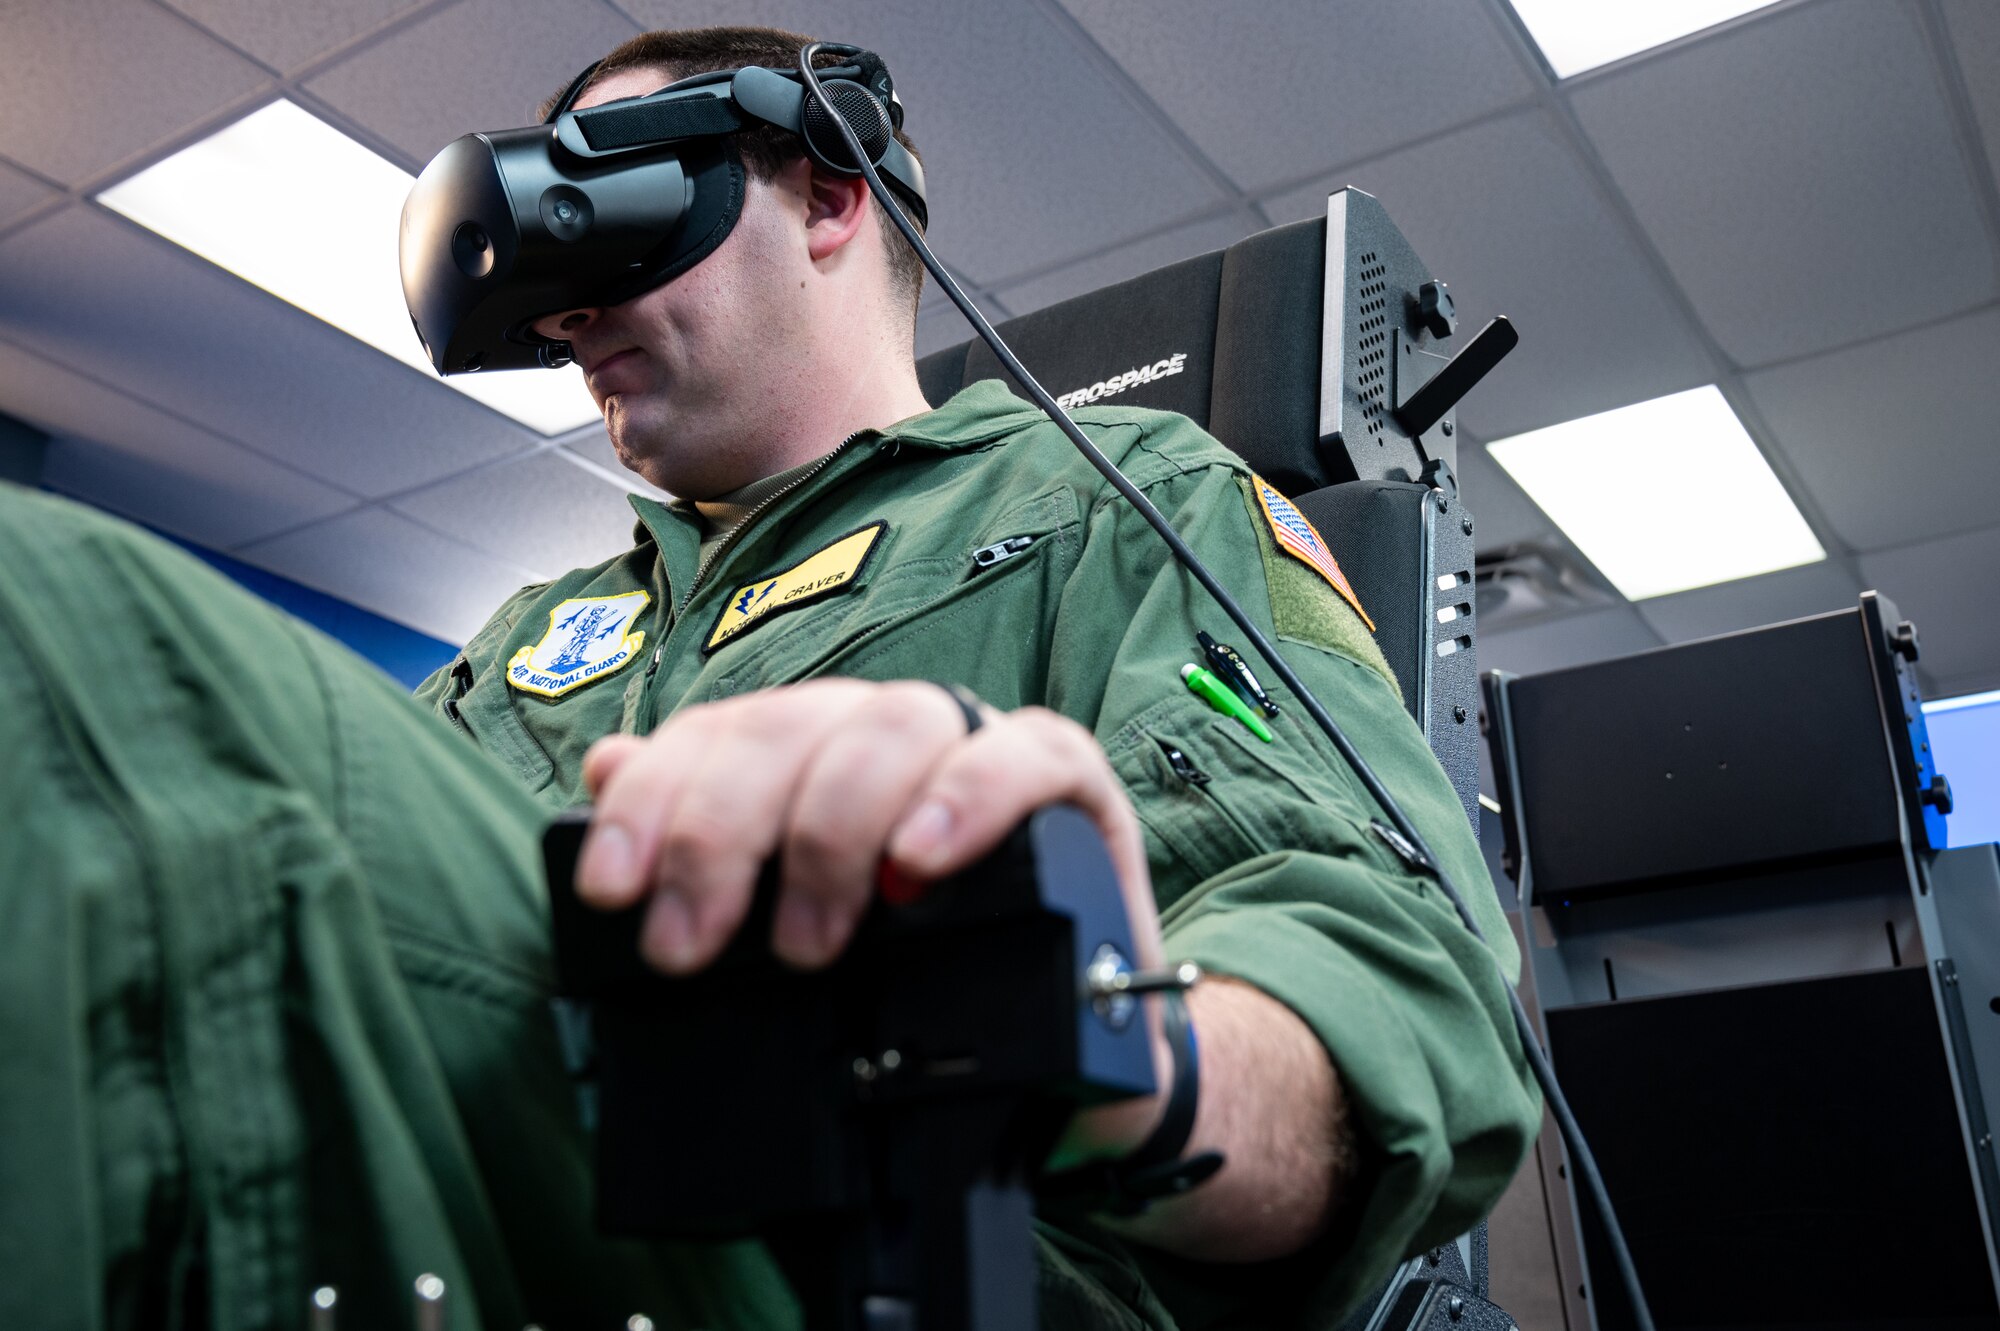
1271 1104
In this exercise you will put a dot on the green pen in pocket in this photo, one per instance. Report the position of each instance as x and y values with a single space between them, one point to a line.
1204 685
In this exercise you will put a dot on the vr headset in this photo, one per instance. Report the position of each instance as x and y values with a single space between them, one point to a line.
594 207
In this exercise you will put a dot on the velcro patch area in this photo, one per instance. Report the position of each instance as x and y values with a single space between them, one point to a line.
1297 538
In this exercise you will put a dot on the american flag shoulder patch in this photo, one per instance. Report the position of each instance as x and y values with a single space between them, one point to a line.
1296 537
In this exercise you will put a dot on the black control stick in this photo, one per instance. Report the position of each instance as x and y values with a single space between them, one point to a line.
878 1123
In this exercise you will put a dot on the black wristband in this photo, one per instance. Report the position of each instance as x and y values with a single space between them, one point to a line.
1129 1185
1170 1136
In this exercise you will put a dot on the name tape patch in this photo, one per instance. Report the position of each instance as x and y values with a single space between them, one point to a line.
586 641
1297 537
813 578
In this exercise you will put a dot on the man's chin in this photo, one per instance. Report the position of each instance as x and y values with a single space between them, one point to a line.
638 442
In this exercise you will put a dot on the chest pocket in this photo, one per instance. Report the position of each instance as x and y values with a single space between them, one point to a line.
918 616
541 740
488 714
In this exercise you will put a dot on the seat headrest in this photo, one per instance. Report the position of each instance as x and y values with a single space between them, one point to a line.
1230 339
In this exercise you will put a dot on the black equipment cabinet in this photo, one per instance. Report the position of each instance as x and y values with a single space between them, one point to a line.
1742 933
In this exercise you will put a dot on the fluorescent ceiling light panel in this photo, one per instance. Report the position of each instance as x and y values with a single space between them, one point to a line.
1963 701
284 200
1576 35
1664 495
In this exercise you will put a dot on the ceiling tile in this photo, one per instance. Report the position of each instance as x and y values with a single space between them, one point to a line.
595 448
1800 177
1974 26
87 84
1032 157
287 33
19 193
476 65
1504 213
1597 635
1946 588
1133 260
87 289
123 455
542 512
1985 680
388 564
1502 513
1278 90
1750 603
205 490
1896 440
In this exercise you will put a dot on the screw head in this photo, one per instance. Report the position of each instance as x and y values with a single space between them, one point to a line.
1458 714
1466 525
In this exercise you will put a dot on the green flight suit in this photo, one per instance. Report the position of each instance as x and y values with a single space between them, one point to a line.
272 945
1004 562
273 982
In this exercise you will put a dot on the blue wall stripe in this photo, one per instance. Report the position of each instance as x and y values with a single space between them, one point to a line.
407 655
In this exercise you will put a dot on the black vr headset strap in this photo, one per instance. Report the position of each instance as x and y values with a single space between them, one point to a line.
696 107
572 92
631 124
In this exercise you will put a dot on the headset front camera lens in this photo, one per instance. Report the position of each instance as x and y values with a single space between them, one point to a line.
471 250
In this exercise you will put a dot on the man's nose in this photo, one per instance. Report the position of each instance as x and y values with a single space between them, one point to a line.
567 324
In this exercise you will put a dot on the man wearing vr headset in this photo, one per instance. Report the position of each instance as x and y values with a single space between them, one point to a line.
834 528
352 1074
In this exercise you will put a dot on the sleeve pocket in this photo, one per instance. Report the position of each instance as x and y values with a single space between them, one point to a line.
1209 797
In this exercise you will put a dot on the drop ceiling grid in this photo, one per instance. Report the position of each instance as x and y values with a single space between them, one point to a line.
168 502
1043 276
1722 370
1287 87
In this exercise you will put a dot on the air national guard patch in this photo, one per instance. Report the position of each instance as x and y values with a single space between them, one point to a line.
586 640
1296 537
818 575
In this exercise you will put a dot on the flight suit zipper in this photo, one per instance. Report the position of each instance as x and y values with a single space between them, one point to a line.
986 556
1183 768
728 542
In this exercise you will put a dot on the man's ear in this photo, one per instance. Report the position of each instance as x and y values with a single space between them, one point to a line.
836 208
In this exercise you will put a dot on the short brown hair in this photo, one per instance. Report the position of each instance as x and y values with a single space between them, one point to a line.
765 149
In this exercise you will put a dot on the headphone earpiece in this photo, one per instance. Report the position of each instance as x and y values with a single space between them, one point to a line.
862 110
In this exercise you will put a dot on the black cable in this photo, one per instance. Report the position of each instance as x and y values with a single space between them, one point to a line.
1580 1154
